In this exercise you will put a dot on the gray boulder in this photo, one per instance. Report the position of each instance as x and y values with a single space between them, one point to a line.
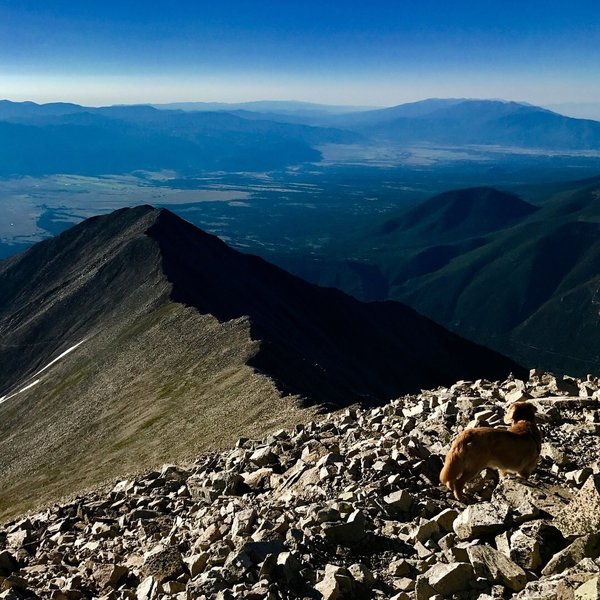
163 562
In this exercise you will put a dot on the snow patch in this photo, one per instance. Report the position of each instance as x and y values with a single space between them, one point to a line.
36 381
60 356
30 385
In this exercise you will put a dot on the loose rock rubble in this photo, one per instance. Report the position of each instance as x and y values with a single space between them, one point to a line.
346 507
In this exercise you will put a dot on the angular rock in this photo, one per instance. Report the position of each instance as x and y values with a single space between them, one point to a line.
446 519
336 584
147 589
163 562
405 584
258 551
590 590
174 473
362 574
525 551
238 565
349 533
425 530
550 539
172 588
582 515
423 591
399 568
263 457
587 546
527 502
448 579
228 483
479 519
579 476
110 575
288 568
8 563
196 563
259 478
493 565
399 501
516 395
243 522
199 491
143 514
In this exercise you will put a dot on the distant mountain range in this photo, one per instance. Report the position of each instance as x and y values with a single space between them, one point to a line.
136 338
519 278
484 122
274 106
459 122
68 138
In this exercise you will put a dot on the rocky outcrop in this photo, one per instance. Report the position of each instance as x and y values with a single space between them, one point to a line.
345 507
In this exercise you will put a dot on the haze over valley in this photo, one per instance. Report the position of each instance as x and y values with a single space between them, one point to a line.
344 198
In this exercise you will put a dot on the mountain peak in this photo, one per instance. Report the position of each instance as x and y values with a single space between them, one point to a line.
460 214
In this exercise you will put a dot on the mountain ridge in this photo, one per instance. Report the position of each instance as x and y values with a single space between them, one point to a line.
135 332
245 139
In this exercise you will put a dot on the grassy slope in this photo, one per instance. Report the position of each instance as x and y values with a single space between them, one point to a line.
531 292
101 413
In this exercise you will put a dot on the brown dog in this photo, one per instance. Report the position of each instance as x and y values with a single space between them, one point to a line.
514 450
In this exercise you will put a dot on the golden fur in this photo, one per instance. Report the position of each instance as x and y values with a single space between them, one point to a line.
514 450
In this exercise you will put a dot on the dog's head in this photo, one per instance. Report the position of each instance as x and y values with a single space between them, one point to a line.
520 411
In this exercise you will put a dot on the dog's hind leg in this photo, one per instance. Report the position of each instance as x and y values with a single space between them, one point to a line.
456 488
459 484
527 471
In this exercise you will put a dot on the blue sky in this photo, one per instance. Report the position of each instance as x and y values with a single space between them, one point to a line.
367 53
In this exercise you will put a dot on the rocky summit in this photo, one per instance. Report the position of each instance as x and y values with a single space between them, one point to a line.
345 507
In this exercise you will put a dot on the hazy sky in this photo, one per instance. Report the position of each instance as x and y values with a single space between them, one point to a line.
368 53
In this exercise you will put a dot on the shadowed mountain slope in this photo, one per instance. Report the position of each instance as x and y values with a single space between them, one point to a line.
136 338
142 251
532 293
523 280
